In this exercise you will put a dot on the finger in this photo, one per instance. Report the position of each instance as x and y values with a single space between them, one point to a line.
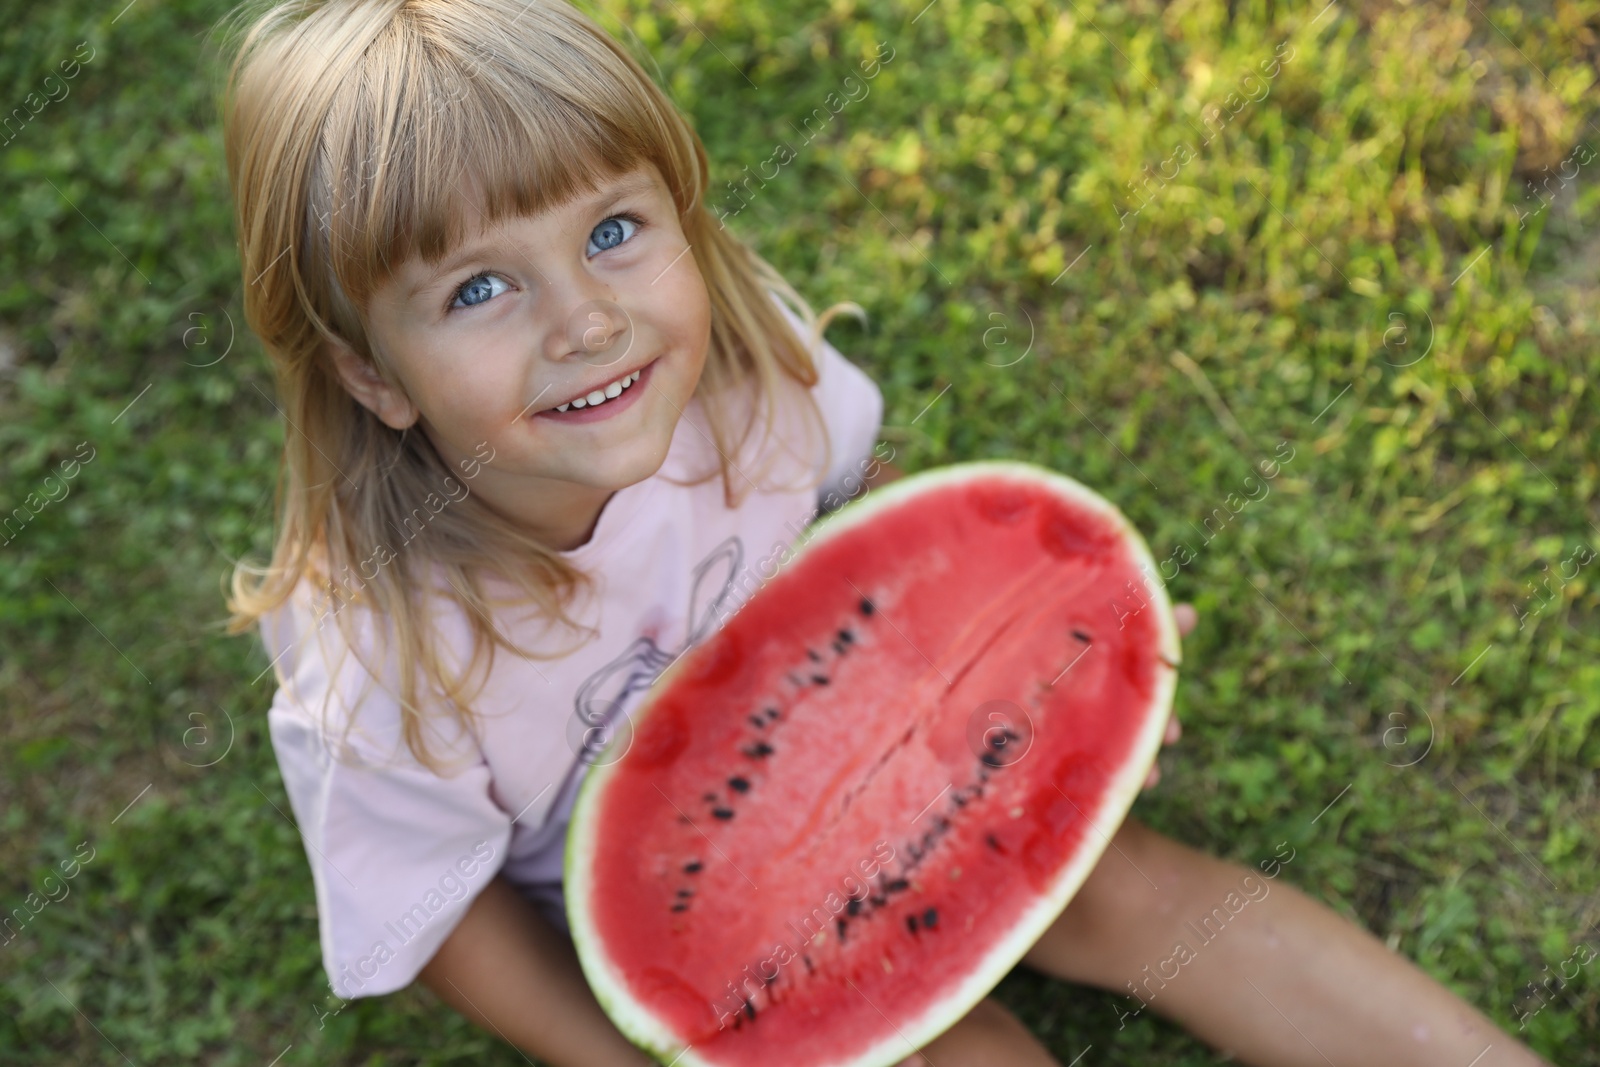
1186 617
1174 731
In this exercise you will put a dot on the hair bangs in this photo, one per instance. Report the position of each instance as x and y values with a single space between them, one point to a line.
440 135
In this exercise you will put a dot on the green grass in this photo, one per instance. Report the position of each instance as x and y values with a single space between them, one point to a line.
1340 268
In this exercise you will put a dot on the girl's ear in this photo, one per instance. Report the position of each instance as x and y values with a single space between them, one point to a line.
362 380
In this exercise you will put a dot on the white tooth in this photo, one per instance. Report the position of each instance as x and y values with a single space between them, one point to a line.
637 373
596 397
627 381
562 407
613 389
578 403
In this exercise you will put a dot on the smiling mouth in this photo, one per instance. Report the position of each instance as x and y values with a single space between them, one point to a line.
609 391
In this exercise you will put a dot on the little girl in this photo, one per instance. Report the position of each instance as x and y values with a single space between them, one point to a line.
544 416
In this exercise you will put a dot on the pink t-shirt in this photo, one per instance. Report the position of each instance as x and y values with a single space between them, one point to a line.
398 852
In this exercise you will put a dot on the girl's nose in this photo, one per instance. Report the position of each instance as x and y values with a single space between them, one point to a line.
600 332
594 328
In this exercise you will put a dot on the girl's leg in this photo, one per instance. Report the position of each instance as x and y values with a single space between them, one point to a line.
988 1036
1276 978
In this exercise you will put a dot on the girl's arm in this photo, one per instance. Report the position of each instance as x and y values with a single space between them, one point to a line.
885 472
508 970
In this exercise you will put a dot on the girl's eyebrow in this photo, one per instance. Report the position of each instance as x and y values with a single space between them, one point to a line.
637 182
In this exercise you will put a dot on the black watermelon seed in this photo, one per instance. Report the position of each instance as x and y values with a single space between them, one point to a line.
686 892
809 968
854 907
930 918
838 646
993 843
866 606
738 785
819 679
722 813
758 720
840 924
846 636
680 906
750 1010
897 885
911 923
758 750
960 800
878 902
692 867
1081 636
991 760
772 713
813 654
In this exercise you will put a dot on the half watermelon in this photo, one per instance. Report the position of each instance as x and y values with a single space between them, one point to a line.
844 816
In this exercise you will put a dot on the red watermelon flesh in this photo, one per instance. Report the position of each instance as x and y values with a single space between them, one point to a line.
841 819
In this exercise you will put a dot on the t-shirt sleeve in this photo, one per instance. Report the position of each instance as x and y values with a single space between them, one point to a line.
397 852
852 410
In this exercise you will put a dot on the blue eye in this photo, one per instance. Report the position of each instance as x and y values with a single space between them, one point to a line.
476 290
613 232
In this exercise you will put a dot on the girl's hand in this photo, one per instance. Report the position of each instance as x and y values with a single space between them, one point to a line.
1187 617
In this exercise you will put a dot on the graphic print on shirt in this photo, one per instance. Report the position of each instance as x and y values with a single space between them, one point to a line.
605 693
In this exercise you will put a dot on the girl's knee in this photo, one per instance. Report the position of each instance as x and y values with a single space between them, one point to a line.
1125 881
1132 890
1144 879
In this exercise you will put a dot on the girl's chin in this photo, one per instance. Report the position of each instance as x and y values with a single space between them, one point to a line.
619 467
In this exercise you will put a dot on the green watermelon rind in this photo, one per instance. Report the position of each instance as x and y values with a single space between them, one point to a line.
650 1033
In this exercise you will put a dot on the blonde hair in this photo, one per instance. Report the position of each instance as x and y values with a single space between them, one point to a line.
349 126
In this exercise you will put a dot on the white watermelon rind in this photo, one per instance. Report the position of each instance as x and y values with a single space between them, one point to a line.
646 1030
